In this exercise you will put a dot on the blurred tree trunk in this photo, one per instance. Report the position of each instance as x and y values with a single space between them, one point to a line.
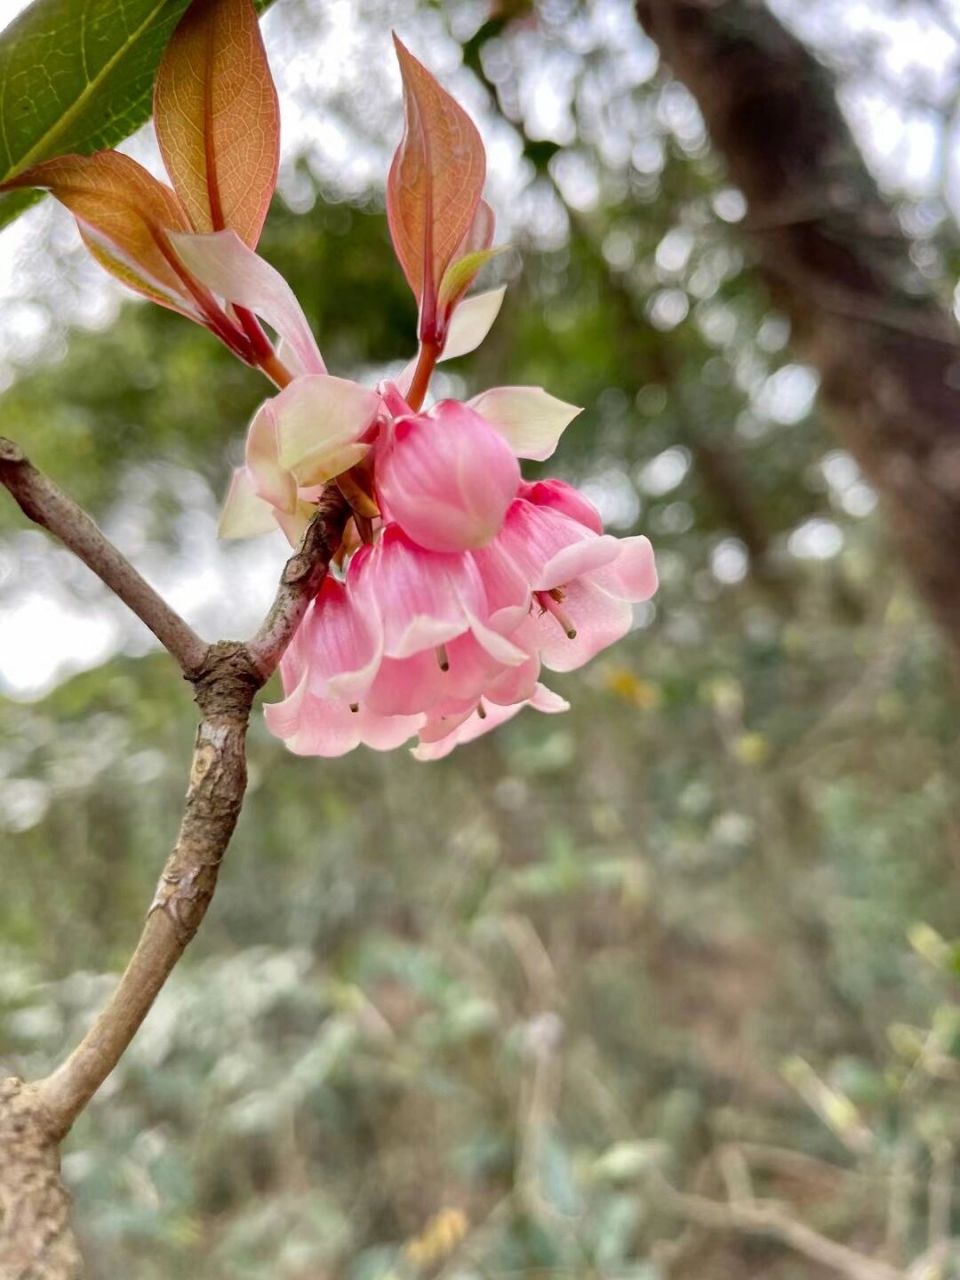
836 261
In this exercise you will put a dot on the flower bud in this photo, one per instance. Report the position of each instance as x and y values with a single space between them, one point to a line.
447 477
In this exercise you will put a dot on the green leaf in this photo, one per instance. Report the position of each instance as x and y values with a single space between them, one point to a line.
75 76
459 275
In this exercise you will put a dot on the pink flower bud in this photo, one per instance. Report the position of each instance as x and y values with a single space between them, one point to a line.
446 478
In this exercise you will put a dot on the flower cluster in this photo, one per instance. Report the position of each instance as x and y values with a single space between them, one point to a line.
456 580
466 582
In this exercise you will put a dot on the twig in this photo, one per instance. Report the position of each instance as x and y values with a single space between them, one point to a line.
300 581
769 1220
48 506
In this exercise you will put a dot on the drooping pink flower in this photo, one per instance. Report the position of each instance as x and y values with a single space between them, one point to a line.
452 727
446 477
312 726
326 672
583 584
459 672
427 599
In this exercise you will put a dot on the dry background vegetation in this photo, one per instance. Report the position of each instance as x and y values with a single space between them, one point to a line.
693 937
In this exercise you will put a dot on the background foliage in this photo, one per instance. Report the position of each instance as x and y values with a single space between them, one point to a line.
478 1018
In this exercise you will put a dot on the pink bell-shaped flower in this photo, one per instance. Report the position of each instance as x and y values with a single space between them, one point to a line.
312 726
451 727
327 669
425 598
583 584
446 477
461 672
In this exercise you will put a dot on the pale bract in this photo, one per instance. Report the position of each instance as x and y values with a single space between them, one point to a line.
298 440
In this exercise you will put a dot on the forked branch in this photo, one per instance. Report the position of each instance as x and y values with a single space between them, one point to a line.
35 1237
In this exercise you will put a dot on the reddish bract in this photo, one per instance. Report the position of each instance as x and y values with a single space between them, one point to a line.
433 190
217 118
217 122
124 214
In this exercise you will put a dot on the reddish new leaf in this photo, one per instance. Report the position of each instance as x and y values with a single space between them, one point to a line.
434 186
472 253
217 118
124 213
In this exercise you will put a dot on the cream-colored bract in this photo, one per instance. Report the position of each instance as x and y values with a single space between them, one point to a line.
530 418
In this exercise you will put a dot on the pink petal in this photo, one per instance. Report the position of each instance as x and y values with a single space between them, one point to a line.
473 667
633 575
384 733
392 394
420 683
407 686
600 620
327 727
434 744
547 702
425 598
224 264
499 648
447 478
530 420
576 560
343 642
284 718
564 498
506 588
533 536
514 684
439 736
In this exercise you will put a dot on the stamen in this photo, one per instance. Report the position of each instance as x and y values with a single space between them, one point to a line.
481 711
442 660
354 707
548 602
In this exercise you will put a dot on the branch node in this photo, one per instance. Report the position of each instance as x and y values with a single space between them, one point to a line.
174 896
226 681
